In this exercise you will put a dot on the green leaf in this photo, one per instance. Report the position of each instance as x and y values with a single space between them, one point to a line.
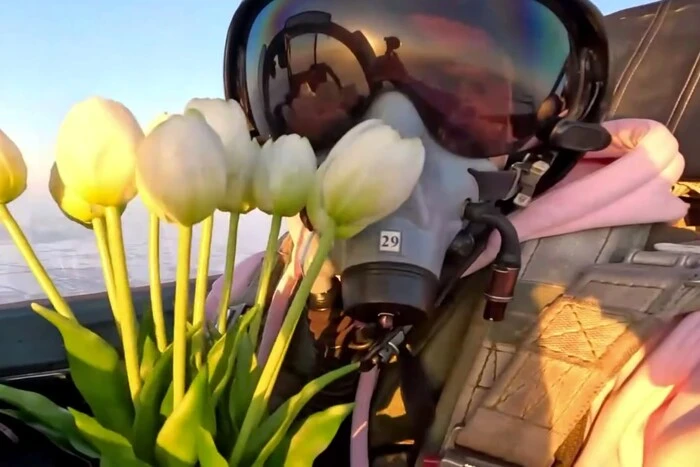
74 447
311 439
220 359
272 430
214 357
111 445
206 450
149 358
97 372
122 462
44 412
199 346
226 433
166 406
176 444
278 458
246 376
225 357
147 347
147 421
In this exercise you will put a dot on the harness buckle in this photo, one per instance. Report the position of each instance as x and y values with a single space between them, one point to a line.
530 171
234 312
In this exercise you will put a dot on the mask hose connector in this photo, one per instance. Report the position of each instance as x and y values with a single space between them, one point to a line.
506 267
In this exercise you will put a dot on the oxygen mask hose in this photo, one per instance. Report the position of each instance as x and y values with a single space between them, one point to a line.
506 267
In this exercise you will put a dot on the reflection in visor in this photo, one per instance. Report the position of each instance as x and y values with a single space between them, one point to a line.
478 72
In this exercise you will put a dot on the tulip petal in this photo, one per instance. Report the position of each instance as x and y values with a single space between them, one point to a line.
160 118
73 206
13 170
229 121
366 177
181 171
396 177
239 178
319 218
349 138
226 117
262 195
284 175
355 174
96 151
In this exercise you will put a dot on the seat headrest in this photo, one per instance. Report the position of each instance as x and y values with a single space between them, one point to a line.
655 70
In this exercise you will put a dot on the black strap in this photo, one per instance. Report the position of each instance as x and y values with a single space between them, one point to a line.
418 398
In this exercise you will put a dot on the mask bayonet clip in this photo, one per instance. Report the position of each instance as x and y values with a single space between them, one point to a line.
531 171
385 349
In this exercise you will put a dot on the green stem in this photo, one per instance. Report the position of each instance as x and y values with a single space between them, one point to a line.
265 275
261 396
127 316
154 278
182 283
35 266
100 228
228 270
200 290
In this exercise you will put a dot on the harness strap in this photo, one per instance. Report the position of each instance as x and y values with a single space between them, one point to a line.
247 300
538 409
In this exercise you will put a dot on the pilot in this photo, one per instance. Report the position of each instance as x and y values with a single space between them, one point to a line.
532 279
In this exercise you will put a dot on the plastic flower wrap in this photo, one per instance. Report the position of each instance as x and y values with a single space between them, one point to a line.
201 399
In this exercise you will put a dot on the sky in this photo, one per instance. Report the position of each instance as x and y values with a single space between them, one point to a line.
151 55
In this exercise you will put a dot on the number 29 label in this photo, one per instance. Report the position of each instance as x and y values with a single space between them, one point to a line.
390 241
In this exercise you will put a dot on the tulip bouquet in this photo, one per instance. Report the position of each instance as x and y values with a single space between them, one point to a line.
201 398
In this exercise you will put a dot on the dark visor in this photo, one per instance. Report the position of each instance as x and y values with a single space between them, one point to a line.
484 75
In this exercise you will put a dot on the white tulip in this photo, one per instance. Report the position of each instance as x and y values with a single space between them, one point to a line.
367 175
229 121
180 170
13 170
284 175
96 151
